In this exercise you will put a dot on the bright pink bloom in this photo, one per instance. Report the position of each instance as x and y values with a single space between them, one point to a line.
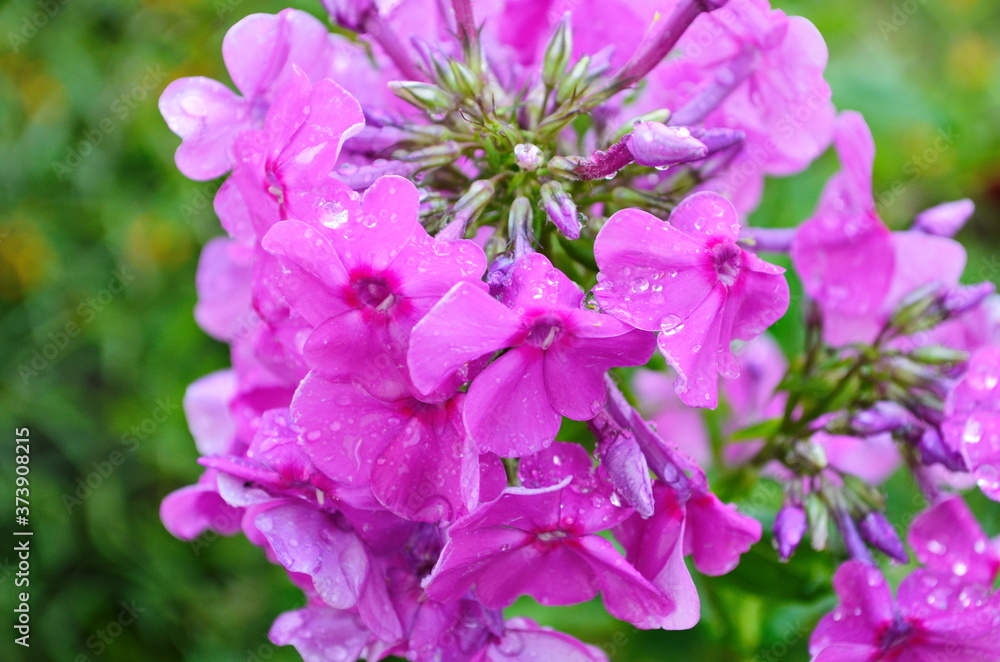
555 367
417 456
549 526
260 52
689 280
363 275
946 611
972 424
848 260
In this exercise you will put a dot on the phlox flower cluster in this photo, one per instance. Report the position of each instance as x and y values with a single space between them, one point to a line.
452 228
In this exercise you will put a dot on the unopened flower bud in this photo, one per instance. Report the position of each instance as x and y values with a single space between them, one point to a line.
431 157
427 97
717 140
561 210
944 220
953 301
519 226
467 209
351 14
661 146
627 468
883 417
466 82
528 156
789 528
819 522
572 83
558 52
565 166
853 542
498 273
881 535
934 450
938 355
661 115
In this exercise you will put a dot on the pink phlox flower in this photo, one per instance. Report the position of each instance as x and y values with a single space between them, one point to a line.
342 570
946 610
550 526
972 419
363 274
260 52
554 366
848 260
416 456
688 279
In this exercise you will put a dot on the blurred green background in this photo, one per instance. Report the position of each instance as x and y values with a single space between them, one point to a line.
98 248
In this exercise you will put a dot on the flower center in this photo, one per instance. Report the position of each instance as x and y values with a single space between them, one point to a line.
544 332
374 293
896 633
728 261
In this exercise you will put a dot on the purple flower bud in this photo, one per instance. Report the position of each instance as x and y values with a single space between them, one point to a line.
776 240
626 466
561 209
852 538
959 299
883 417
881 535
519 226
946 219
467 208
498 273
933 450
789 528
351 14
717 140
658 145
528 156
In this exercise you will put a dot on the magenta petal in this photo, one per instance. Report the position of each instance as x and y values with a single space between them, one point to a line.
555 464
707 213
850 653
206 407
430 473
627 595
944 220
716 534
508 410
313 278
368 350
190 511
525 641
923 259
207 115
223 283
330 118
650 269
535 282
865 610
259 49
465 324
655 546
434 265
343 427
692 347
762 296
383 226
575 366
948 540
